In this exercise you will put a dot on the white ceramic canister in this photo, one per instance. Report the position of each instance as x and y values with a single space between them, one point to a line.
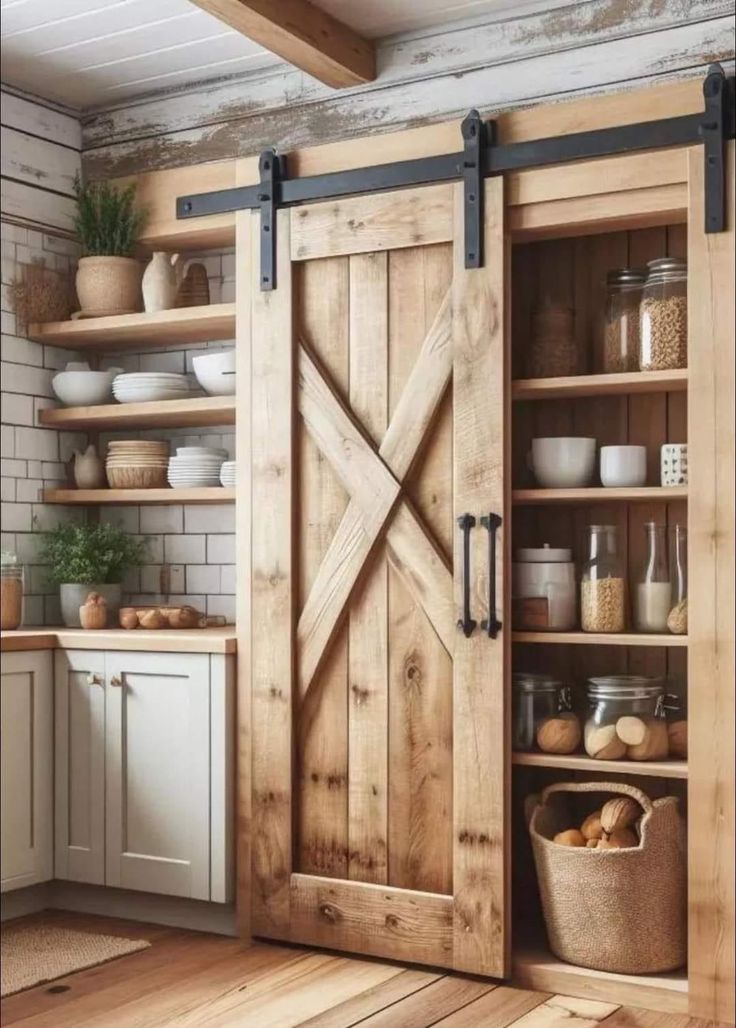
544 591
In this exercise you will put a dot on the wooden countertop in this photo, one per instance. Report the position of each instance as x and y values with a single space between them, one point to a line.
198 640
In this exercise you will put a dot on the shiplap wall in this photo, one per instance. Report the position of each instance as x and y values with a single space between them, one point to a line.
433 75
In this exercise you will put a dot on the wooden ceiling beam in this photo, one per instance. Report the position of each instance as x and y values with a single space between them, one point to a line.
303 35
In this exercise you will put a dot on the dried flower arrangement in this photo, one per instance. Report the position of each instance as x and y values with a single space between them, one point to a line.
41 294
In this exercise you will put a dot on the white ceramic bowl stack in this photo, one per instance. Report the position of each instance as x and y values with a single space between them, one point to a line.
227 474
196 467
137 463
140 386
215 372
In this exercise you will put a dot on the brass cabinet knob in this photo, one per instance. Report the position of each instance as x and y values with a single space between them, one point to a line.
116 680
94 680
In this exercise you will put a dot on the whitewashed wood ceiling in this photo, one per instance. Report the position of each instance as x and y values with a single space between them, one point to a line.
95 53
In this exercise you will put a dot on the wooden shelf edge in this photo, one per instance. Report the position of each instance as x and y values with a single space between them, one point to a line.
580 762
212 494
182 324
598 494
599 639
624 383
539 970
193 412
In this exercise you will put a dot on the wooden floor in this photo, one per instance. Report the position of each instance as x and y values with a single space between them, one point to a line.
190 978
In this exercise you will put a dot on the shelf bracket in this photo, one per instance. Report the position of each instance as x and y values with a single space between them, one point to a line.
713 130
272 169
474 144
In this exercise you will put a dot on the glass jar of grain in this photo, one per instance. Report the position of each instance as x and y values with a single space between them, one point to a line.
626 719
602 587
11 592
619 350
553 351
663 316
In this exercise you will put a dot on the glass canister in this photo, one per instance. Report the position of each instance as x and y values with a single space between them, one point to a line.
653 595
676 713
553 350
620 342
626 719
663 316
677 618
11 592
602 586
542 715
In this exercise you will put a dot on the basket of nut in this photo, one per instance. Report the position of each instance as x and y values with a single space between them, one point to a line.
612 883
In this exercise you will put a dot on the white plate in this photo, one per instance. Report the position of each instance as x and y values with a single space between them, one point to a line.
197 451
150 376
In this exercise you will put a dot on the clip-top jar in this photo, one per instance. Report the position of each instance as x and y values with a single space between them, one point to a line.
663 322
602 592
627 718
11 592
542 718
620 342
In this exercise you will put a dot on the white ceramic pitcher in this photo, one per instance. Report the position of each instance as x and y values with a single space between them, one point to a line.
161 280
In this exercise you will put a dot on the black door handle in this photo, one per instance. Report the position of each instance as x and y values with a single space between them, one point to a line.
491 625
466 522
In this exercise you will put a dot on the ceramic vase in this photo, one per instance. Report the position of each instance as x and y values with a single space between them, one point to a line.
88 469
161 281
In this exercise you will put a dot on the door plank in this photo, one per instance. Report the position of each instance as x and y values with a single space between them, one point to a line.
496 1009
380 997
321 785
359 917
368 644
272 590
481 666
426 1007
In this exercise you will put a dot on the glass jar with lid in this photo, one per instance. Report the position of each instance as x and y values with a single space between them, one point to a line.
626 719
602 586
11 592
663 316
676 713
620 337
542 715
553 350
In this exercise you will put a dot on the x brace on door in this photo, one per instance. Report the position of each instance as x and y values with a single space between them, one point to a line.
482 157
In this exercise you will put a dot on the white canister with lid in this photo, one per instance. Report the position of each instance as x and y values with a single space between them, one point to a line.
544 592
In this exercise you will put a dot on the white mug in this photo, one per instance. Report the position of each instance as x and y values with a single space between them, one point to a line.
674 464
623 466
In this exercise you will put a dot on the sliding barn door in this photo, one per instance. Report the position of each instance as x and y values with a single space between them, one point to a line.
378 420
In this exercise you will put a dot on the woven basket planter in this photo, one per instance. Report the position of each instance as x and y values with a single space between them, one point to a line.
623 910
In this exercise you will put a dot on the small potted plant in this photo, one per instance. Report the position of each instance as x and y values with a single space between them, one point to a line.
90 558
107 224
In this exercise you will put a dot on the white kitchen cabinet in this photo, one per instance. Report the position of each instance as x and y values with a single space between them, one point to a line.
144 771
26 769
79 687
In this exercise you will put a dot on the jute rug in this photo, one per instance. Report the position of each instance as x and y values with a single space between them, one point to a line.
32 954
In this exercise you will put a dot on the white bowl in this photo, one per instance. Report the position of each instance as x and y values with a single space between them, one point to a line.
215 372
563 462
623 466
83 388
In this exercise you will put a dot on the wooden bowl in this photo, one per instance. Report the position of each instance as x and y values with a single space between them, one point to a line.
133 477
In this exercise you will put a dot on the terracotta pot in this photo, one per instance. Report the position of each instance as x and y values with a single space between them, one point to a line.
109 285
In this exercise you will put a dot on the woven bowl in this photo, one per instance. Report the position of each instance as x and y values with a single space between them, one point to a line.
133 477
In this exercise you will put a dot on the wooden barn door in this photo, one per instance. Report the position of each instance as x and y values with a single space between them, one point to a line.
379 768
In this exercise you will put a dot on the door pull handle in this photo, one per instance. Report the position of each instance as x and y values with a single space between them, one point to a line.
491 625
466 522
116 680
94 680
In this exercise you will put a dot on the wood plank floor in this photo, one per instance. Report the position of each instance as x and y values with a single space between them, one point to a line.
194 979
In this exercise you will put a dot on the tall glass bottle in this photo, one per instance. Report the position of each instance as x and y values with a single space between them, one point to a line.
677 619
602 589
652 598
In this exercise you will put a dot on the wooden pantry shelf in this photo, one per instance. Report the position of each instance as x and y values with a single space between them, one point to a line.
161 328
212 494
600 638
580 762
623 384
598 494
199 411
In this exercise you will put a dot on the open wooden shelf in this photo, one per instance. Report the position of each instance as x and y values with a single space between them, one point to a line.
138 331
598 494
212 494
581 762
623 384
600 638
200 411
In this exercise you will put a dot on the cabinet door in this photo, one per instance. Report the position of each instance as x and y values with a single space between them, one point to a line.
26 769
378 726
158 773
79 686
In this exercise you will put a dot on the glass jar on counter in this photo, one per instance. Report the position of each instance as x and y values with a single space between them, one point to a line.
663 316
677 617
11 592
542 715
553 350
602 586
620 343
626 719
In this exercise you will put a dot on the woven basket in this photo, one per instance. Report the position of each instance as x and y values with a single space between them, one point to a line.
623 910
136 477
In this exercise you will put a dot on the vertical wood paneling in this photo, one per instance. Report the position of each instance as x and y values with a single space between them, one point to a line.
368 641
322 740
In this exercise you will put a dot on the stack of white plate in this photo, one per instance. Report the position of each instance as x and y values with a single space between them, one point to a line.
138 386
196 466
227 474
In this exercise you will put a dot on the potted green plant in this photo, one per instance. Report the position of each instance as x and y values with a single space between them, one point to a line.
86 558
107 224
